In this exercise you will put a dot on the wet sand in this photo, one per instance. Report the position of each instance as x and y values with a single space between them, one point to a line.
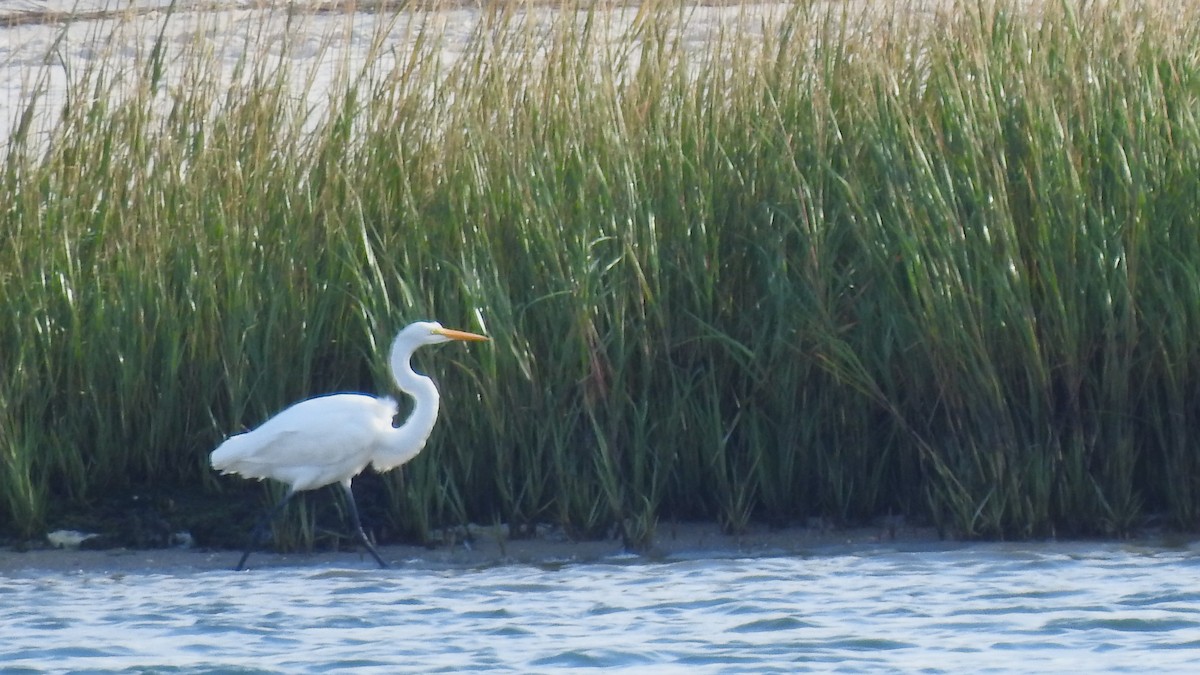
489 548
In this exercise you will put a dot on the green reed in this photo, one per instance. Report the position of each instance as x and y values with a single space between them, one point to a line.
855 266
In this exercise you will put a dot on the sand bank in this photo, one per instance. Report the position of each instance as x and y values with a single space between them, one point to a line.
488 548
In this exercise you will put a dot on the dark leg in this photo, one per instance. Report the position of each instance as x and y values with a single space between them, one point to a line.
358 530
260 528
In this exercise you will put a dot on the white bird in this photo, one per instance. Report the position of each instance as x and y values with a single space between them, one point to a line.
331 439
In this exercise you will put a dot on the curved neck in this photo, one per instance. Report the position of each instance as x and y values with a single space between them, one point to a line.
426 400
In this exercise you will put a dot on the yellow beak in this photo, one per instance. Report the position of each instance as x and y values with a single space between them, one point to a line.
461 335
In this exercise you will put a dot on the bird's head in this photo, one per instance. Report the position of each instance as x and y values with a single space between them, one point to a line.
432 333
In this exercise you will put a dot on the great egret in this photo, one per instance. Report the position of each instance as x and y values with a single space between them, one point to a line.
331 439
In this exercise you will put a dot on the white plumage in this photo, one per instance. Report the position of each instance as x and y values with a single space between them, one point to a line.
313 443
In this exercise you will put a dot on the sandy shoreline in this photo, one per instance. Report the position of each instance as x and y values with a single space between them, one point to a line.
673 542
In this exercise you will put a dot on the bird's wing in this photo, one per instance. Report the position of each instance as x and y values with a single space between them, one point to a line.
329 436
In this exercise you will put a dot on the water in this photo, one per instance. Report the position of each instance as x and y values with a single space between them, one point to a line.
1031 608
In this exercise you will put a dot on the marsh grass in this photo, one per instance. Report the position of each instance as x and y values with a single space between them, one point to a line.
819 264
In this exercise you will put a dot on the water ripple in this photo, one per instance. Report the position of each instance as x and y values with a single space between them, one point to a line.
1065 608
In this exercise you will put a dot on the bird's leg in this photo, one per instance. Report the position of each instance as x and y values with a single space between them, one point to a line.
260 528
358 529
